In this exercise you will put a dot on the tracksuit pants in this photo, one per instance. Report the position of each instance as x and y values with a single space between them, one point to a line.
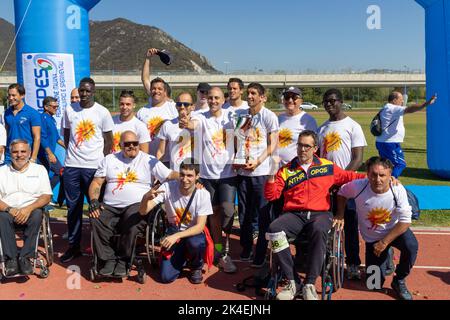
125 222
76 186
317 225
393 151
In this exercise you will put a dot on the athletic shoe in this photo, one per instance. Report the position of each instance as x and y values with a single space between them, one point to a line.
108 268
309 292
196 276
227 265
11 267
353 272
288 292
25 266
258 264
71 253
401 290
246 256
121 268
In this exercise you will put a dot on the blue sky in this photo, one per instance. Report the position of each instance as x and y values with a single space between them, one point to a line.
289 35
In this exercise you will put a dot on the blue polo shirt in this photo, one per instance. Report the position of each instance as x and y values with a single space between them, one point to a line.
49 133
19 126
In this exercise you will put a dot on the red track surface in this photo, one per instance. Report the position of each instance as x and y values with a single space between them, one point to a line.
425 283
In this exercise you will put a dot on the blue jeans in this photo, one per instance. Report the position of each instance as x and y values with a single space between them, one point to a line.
408 246
194 247
253 204
351 234
54 168
76 186
393 151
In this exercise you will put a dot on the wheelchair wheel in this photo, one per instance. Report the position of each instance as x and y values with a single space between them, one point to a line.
44 273
47 239
337 259
327 282
154 233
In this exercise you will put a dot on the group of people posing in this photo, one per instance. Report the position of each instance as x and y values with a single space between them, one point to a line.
195 158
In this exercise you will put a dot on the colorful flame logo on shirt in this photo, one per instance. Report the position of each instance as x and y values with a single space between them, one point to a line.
116 142
185 145
153 126
84 131
285 138
332 142
218 142
179 213
128 176
378 216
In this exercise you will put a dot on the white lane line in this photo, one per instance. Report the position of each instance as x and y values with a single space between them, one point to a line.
433 233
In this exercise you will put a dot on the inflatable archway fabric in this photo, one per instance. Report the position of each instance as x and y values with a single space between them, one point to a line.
52 50
437 45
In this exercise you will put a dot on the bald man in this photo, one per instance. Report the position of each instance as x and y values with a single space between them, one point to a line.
119 210
215 131
74 96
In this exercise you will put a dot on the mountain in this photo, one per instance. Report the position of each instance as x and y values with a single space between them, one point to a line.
121 45
6 38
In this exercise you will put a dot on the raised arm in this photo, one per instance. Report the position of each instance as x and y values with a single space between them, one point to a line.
418 107
145 74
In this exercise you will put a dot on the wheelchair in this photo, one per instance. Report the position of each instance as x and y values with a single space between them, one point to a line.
154 233
43 253
332 269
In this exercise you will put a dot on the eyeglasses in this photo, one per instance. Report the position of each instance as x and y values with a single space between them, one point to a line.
330 101
128 144
305 147
288 96
183 104
203 91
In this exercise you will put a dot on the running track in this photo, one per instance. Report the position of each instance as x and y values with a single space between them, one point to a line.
429 280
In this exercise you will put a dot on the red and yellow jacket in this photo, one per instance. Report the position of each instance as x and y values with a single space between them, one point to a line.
307 191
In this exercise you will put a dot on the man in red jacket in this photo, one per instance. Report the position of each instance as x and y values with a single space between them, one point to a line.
304 183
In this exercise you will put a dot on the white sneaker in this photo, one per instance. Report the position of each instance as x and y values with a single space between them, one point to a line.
309 292
288 292
353 272
227 265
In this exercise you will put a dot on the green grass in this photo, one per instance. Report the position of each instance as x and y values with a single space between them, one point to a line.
433 218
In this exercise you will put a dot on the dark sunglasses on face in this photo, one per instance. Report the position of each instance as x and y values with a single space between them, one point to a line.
183 104
128 144
203 91
289 96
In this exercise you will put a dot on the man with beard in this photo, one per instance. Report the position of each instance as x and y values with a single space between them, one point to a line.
128 175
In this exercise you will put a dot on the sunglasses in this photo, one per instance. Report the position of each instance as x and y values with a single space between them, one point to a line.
291 96
203 91
183 104
128 144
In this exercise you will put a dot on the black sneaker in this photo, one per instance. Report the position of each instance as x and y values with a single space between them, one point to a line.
401 290
25 266
11 267
246 255
108 268
196 276
121 268
71 253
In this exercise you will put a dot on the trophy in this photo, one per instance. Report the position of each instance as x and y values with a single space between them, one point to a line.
242 124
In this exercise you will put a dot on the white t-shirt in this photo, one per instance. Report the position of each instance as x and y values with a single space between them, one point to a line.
200 111
263 123
337 138
290 128
153 118
20 189
138 127
175 204
178 142
127 180
377 213
233 112
392 124
87 126
2 142
216 146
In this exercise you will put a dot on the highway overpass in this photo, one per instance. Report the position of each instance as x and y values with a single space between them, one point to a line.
128 80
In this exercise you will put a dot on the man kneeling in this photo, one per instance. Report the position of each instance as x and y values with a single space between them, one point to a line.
384 217
187 209
128 175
